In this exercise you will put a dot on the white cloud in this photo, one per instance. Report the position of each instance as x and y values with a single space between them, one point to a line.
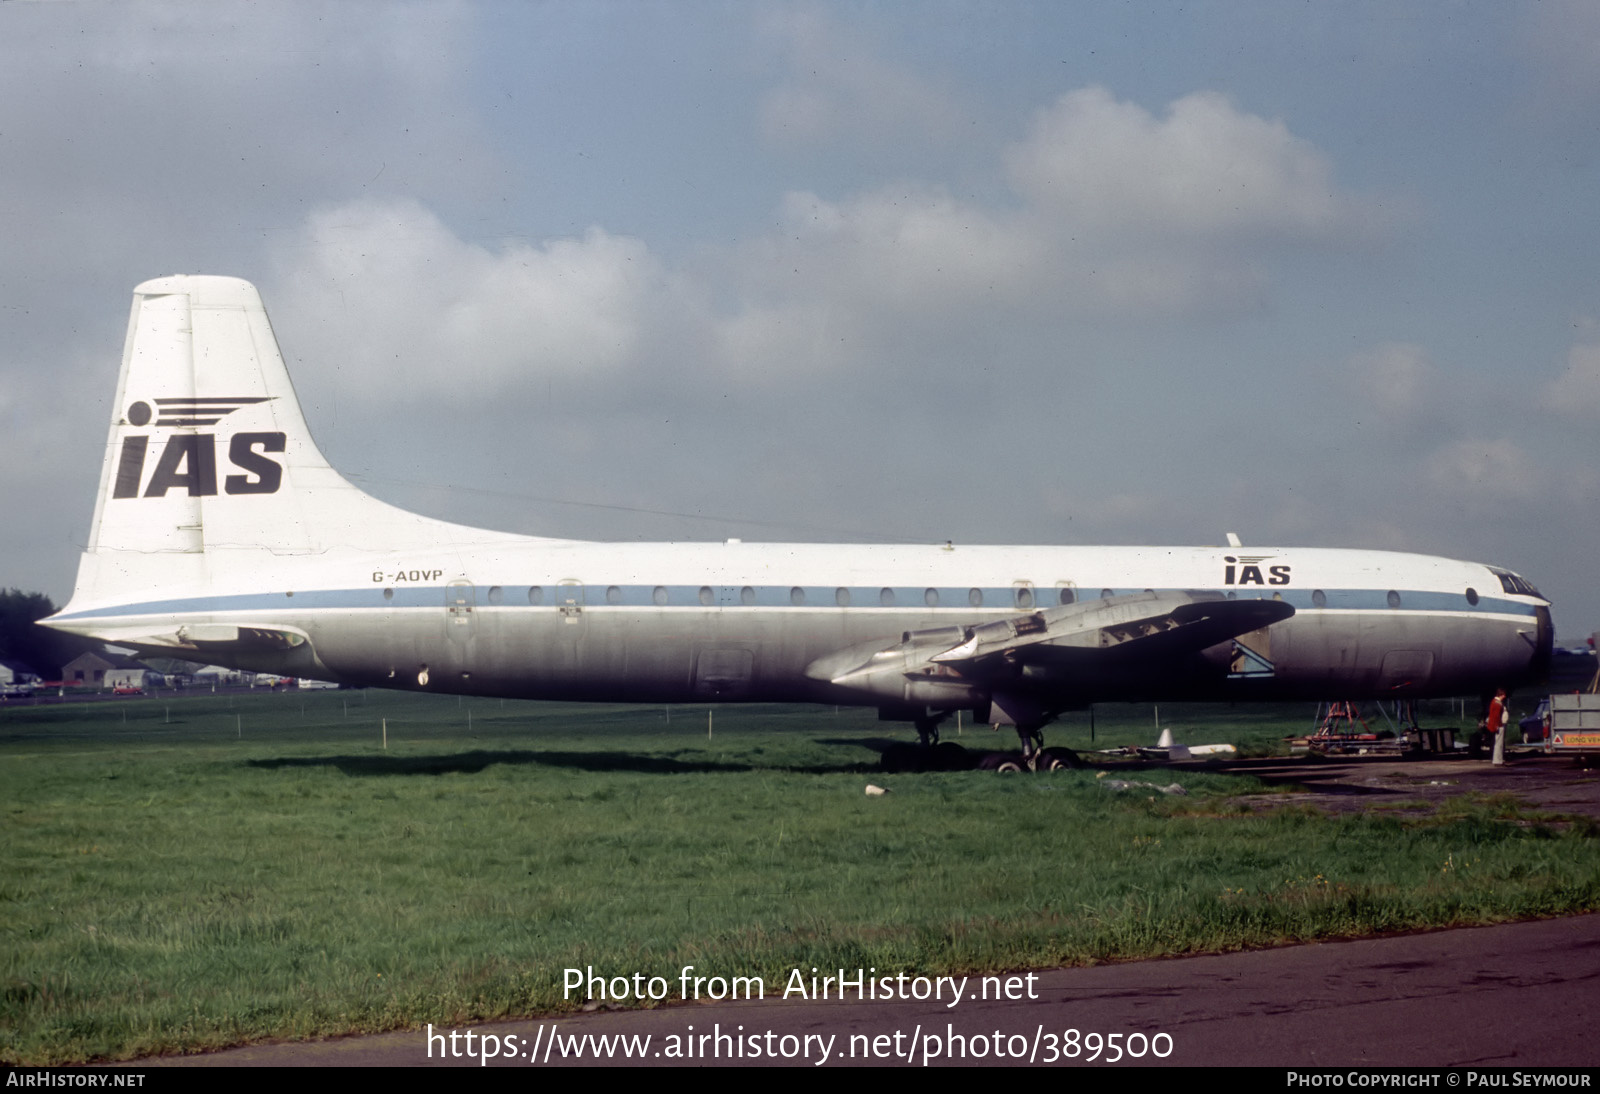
838 277
1395 379
169 136
912 245
407 305
1483 472
836 86
1205 170
1576 392
249 41
1120 215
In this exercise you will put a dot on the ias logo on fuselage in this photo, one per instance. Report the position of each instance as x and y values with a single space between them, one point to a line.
188 461
1246 570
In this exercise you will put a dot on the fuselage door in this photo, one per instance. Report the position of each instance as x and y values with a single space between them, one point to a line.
1405 671
724 673
569 600
460 609
1252 656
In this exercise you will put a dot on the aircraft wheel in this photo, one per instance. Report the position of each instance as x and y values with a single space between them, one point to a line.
1057 759
901 757
949 756
1004 762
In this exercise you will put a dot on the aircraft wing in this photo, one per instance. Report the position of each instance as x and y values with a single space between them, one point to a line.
1052 653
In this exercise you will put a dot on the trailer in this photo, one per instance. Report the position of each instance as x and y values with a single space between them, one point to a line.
1574 725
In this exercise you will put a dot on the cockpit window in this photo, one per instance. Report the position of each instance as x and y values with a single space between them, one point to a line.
1515 584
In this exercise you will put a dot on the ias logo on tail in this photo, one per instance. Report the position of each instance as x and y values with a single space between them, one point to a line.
188 461
176 411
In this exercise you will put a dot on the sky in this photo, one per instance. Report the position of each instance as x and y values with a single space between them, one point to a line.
1317 274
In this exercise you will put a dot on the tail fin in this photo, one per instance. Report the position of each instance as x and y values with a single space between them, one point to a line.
208 447
209 455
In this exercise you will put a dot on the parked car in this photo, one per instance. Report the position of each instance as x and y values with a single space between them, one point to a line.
1536 726
16 691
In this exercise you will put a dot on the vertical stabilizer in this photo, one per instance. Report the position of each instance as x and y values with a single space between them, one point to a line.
207 448
209 462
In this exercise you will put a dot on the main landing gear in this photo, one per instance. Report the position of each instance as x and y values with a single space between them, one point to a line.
932 754
1037 757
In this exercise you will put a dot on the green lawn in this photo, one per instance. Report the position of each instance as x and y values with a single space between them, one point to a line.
208 871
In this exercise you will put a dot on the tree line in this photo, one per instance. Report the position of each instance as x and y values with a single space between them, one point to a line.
22 639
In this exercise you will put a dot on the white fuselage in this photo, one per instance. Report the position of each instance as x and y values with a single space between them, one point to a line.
674 622
221 534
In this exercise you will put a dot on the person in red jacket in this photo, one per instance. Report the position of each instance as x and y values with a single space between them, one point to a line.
1495 723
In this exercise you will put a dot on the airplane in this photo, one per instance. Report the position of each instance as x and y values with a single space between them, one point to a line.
222 535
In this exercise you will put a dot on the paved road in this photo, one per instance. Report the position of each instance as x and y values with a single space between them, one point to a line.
1519 995
1558 786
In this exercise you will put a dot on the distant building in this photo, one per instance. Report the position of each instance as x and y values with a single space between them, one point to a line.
105 670
17 672
215 676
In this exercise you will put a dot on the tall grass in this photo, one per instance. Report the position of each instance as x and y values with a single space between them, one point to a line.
215 871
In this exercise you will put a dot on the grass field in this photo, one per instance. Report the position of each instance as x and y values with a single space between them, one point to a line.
210 871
